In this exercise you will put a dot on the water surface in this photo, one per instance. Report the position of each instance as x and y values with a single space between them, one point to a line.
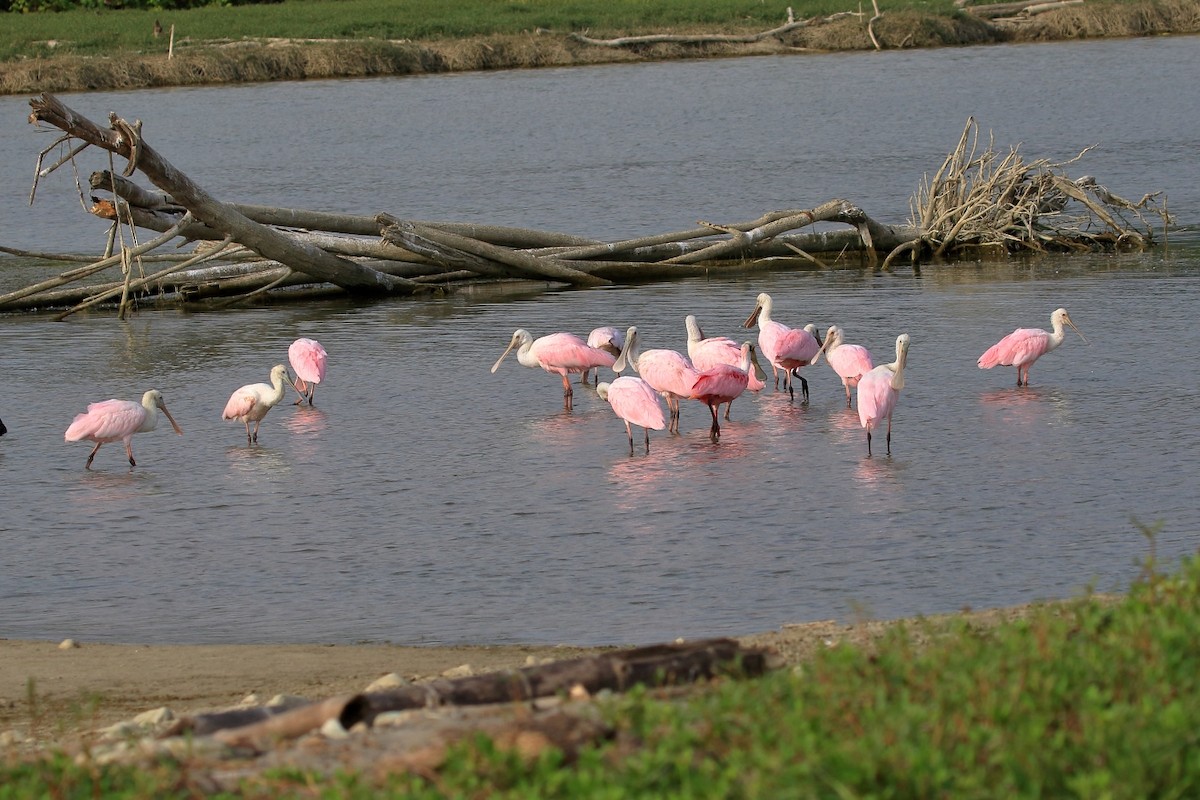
426 500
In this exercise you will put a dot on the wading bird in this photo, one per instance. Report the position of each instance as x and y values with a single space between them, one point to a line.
557 353
607 338
118 420
878 391
1024 346
636 402
669 373
252 402
723 384
308 359
849 361
708 352
787 349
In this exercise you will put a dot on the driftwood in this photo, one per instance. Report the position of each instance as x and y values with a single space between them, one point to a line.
657 665
976 202
1026 9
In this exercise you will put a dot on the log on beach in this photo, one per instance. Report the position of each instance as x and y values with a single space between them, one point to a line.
657 665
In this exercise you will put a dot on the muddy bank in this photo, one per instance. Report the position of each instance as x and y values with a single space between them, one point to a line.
202 63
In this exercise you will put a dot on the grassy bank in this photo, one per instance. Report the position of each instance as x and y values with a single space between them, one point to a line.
1087 699
297 39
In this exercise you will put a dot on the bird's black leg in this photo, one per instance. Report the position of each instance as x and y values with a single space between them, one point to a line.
803 387
868 443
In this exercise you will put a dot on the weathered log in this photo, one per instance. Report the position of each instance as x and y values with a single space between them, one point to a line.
667 38
461 251
657 665
124 140
91 269
994 10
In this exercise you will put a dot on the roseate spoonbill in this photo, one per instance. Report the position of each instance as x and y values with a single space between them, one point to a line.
308 359
1024 346
252 402
708 352
849 361
635 401
723 384
878 391
558 353
669 373
118 420
606 338
787 349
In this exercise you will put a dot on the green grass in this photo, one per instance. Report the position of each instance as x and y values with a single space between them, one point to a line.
1087 699
109 32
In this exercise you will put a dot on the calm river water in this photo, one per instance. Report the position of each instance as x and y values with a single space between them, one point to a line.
426 500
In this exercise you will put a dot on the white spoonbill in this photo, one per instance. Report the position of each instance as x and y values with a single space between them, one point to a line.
252 402
557 353
878 391
1024 346
119 420
636 402
308 359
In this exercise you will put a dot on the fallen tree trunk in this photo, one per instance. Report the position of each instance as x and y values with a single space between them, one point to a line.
656 665
124 139
976 202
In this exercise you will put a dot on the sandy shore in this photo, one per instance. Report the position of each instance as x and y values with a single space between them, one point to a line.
94 685
49 692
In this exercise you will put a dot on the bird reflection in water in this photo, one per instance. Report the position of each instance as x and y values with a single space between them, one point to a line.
307 420
1025 406
263 463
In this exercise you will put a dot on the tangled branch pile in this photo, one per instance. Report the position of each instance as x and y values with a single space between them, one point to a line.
985 200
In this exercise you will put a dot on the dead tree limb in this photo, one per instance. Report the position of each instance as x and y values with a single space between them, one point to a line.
124 140
461 251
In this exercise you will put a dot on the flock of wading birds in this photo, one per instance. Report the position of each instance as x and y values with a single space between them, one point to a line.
715 371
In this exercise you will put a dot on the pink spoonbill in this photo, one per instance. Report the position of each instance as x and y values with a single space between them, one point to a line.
707 352
557 353
787 349
878 391
251 402
606 338
1024 346
849 361
669 373
723 384
308 359
636 402
119 420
